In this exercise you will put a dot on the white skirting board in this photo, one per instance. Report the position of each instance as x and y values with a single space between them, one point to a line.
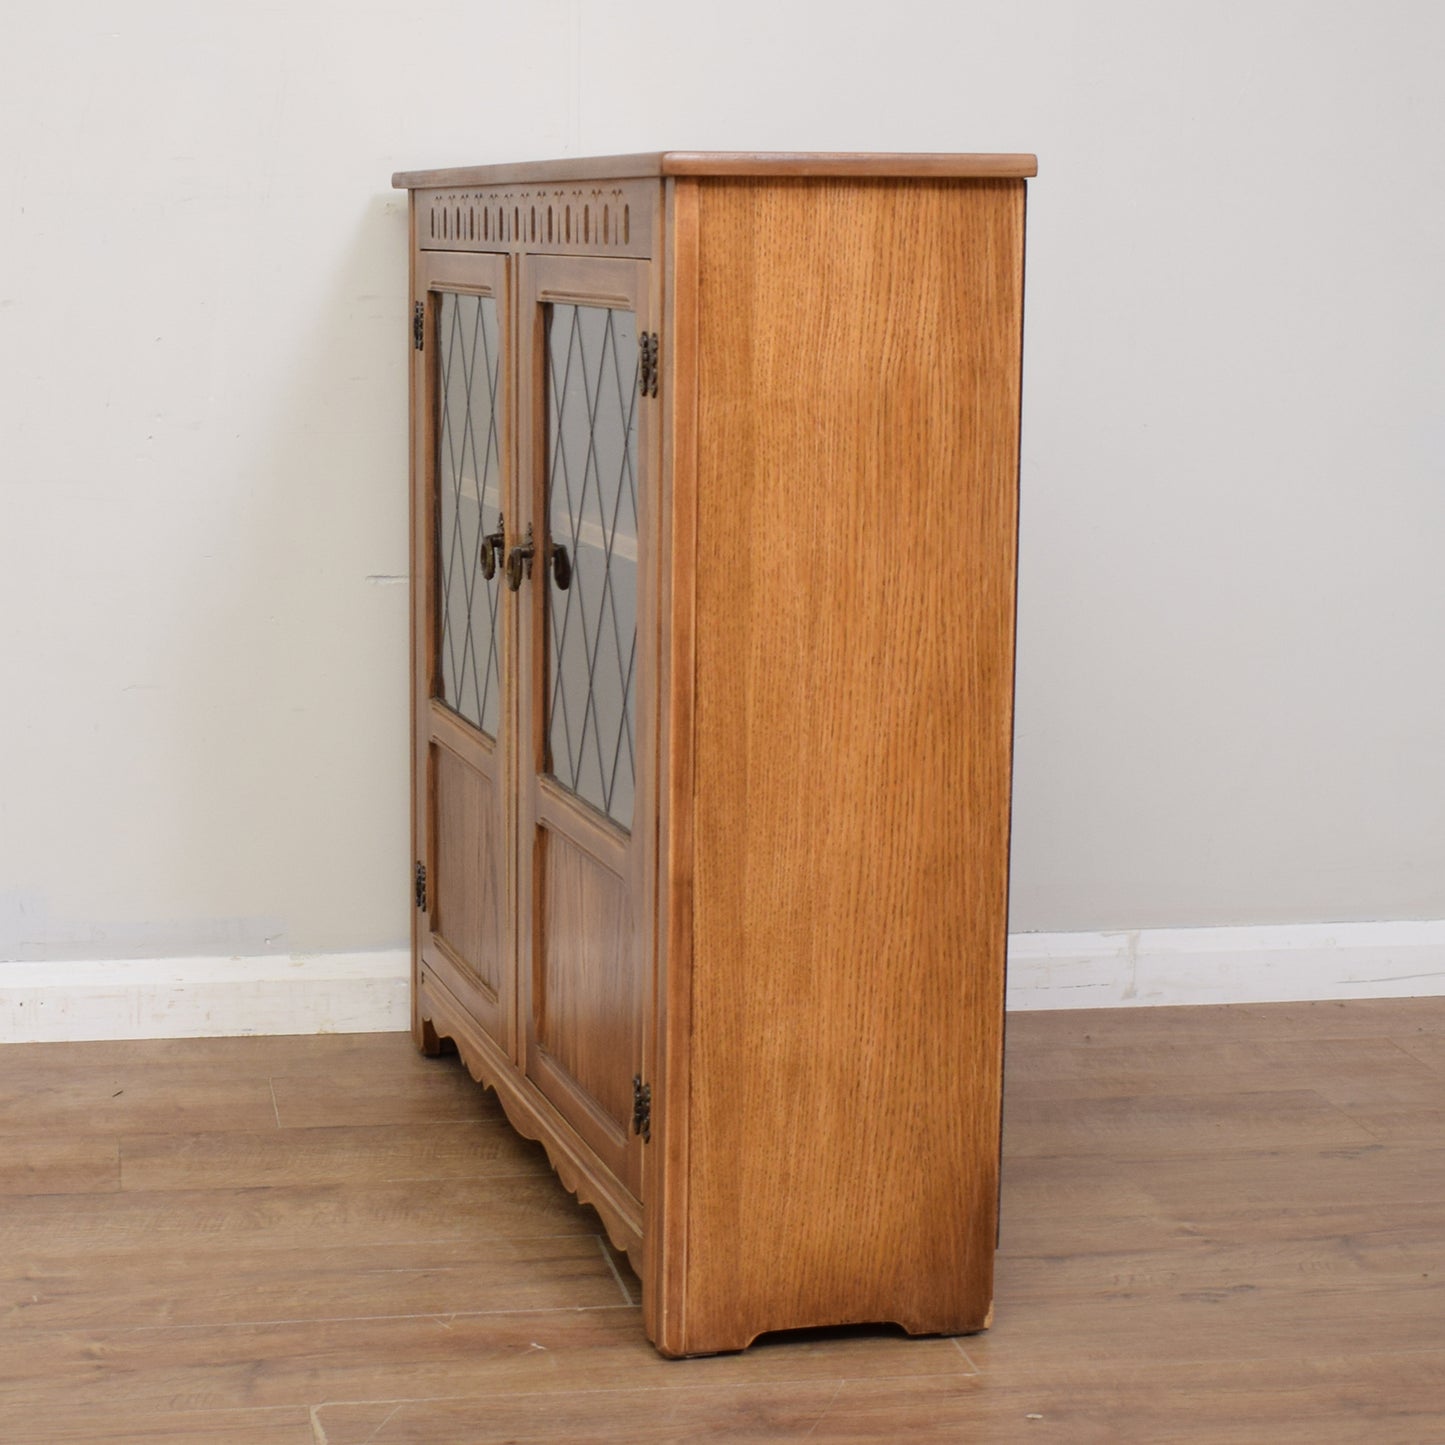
183 998
1264 964
367 992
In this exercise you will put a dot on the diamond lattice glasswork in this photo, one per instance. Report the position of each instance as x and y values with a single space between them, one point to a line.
592 505
469 497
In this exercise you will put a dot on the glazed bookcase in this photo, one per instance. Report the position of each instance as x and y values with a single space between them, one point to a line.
714 516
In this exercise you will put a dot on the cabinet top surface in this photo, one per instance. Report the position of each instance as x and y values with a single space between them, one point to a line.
880 164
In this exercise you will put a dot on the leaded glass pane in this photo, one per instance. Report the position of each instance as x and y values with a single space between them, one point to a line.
469 496
592 506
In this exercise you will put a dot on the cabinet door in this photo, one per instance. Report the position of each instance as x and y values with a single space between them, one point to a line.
463 711
586 840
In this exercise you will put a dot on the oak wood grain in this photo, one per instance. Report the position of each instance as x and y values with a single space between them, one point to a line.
857 494
587 996
670 1016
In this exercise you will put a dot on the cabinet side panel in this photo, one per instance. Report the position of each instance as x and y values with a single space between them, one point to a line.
664 1269
857 464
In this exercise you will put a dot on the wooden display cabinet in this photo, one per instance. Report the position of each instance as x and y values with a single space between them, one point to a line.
715 464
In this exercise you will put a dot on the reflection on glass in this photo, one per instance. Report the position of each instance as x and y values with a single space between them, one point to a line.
592 508
469 497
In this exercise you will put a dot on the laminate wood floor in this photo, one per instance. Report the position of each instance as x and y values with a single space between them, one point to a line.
1220 1224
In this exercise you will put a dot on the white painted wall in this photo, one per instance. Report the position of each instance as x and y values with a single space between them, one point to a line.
1231 704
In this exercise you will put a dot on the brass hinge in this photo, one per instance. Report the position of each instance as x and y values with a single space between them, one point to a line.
421 886
418 326
647 365
641 1108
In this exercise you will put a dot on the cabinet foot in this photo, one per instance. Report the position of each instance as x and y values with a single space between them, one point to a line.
429 1042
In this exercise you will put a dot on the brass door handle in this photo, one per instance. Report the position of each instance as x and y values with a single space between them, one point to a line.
493 545
519 561
561 567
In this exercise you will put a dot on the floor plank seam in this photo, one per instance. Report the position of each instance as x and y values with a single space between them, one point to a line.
748 1385
92 1331
616 1273
390 1416
958 1345
487 1178
1420 1059
823 1413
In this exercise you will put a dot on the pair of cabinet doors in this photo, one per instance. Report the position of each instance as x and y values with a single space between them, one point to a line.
534 667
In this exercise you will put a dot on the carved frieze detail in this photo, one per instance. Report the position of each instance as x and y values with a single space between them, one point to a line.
606 218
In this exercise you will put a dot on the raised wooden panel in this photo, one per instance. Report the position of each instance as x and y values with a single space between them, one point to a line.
857 376
467 911
586 996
